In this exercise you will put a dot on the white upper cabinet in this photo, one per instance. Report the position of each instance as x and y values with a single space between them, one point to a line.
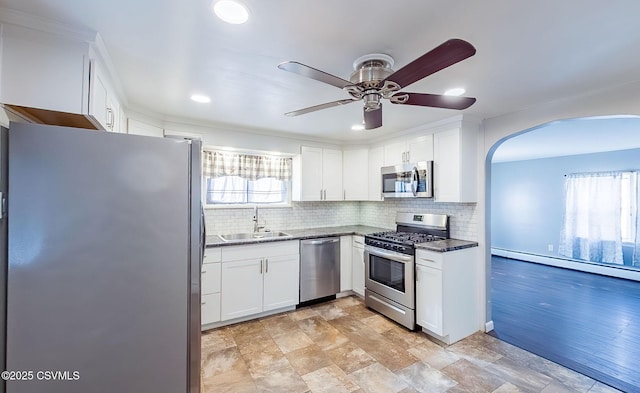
53 72
355 168
43 71
409 150
395 153
317 175
376 161
455 167
104 106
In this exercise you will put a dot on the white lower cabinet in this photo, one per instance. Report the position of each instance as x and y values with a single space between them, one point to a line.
281 282
346 282
242 283
258 278
446 293
209 308
210 287
357 261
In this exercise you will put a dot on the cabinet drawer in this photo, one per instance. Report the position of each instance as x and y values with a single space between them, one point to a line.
430 259
260 250
210 308
210 282
212 255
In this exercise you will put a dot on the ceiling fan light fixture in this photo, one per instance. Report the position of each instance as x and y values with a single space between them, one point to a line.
455 92
199 98
231 11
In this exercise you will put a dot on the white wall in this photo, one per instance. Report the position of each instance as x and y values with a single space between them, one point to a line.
614 101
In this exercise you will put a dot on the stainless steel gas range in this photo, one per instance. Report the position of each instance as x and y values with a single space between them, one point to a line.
390 264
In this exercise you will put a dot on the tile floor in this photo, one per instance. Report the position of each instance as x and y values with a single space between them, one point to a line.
341 346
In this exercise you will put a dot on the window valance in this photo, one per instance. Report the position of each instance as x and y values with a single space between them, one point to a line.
247 166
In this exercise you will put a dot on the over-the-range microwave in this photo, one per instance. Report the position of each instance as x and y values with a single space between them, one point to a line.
408 180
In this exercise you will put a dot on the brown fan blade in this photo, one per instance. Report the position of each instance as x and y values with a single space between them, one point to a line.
443 56
321 106
433 100
309 72
373 119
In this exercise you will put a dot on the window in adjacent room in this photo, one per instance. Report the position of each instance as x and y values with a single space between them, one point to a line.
236 179
600 214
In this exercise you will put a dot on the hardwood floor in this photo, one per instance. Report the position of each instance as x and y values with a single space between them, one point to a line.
583 321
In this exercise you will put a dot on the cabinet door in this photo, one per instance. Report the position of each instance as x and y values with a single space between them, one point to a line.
346 267
446 166
395 153
355 168
241 292
210 282
421 149
311 174
99 99
281 282
210 308
376 161
332 175
429 299
358 268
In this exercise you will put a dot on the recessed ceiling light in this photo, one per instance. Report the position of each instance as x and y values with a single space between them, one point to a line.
458 91
357 127
200 98
231 11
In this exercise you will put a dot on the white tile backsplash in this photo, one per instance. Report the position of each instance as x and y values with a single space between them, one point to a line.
462 216
300 215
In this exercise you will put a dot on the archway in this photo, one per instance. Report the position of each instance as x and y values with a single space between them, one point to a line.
537 212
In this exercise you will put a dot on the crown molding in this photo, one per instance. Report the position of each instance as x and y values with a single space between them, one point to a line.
23 19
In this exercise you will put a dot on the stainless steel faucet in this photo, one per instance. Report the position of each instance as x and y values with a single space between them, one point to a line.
256 227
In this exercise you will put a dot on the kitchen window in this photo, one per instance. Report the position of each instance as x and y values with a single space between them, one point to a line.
236 179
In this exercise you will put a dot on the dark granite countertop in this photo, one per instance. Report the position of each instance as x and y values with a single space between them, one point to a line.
446 245
299 234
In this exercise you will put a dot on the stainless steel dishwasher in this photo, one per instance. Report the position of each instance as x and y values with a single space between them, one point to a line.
319 268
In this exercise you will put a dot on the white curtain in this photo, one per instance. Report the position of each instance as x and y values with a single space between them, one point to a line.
591 228
635 217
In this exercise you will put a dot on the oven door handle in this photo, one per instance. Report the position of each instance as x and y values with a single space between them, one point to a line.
394 256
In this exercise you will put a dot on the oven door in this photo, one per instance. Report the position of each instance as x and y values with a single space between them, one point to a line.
390 274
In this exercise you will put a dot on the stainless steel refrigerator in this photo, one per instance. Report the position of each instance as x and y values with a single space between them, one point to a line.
103 239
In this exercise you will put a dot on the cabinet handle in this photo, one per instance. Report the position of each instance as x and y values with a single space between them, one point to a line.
325 194
110 118
266 269
344 194
204 271
408 156
261 265
320 194
403 153
203 303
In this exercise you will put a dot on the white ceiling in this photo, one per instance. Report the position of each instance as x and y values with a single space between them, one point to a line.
528 52
570 137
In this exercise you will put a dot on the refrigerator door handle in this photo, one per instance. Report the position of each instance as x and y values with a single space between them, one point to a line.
203 233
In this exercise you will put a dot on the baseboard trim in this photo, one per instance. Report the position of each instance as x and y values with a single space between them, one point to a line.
568 264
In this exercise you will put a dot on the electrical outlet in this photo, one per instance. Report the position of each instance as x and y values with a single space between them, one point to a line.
550 247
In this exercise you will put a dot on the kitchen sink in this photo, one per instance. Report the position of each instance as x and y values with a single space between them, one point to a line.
252 235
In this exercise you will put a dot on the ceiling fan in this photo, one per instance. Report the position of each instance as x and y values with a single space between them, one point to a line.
374 79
